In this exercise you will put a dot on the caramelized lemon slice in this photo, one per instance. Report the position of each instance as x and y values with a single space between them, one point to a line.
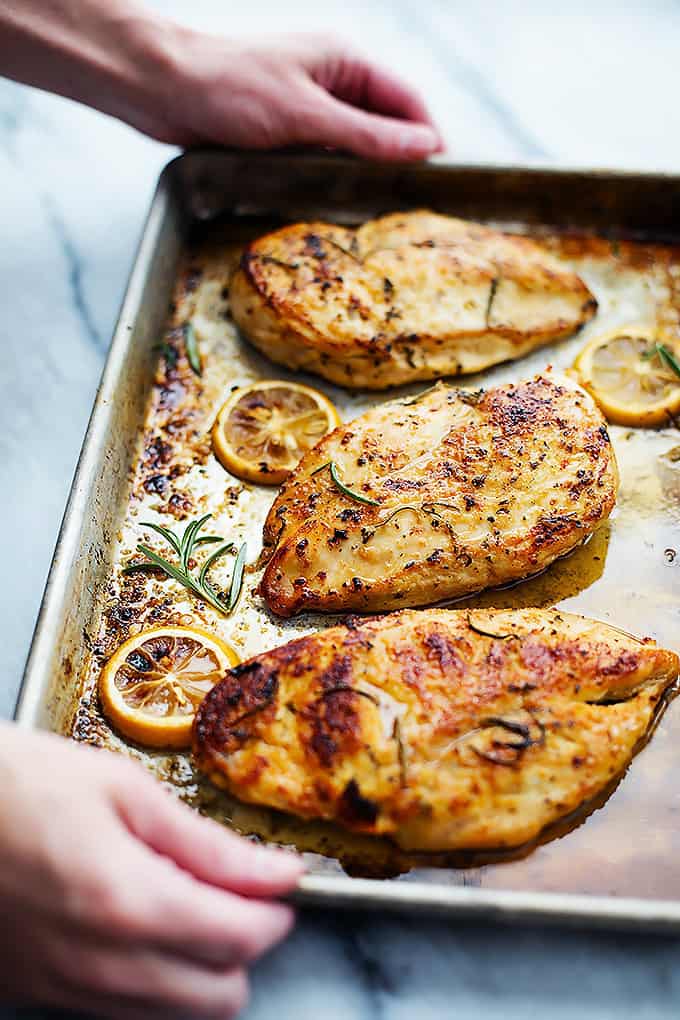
152 685
627 374
263 430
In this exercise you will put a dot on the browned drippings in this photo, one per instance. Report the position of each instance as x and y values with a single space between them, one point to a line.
628 575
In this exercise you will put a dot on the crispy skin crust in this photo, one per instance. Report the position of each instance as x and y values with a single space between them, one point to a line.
410 296
473 491
442 729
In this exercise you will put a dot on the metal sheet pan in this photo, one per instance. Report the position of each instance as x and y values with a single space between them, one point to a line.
615 869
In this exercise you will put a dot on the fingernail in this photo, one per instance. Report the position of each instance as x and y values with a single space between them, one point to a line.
418 138
276 864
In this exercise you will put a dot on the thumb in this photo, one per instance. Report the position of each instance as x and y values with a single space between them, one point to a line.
334 123
205 849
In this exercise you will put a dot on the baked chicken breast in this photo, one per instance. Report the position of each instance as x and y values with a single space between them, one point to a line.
445 730
429 498
406 297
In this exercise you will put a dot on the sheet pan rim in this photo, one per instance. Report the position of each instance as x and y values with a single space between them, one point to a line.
498 904
66 547
439 163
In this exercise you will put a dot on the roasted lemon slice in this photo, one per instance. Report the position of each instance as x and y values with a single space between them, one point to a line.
630 373
153 684
263 430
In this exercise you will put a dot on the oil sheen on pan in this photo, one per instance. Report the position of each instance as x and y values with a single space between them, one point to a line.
627 574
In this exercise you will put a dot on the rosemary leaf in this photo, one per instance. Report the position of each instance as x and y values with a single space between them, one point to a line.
431 507
203 573
237 577
189 537
666 354
399 510
401 750
191 344
133 568
471 397
426 508
170 569
168 352
164 533
341 485
410 401
347 491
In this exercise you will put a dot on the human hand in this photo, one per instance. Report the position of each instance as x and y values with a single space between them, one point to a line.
118 900
298 90
187 87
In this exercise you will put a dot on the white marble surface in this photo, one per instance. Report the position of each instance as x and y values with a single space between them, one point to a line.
590 83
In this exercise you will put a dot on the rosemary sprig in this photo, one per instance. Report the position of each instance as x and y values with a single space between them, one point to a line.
332 466
184 548
191 344
666 356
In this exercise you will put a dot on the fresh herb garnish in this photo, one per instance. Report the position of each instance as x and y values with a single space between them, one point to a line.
168 352
332 466
269 260
492 294
399 510
430 508
409 401
508 752
471 397
191 344
184 548
401 750
666 356
424 508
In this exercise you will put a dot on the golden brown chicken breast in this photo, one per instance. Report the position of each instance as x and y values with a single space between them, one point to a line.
442 729
406 297
428 498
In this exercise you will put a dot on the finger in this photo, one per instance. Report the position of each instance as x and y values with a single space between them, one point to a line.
372 88
103 1007
328 121
113 1007
145 897
128 979
206 849
214 924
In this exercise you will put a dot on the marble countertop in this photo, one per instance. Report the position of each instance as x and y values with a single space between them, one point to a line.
592 84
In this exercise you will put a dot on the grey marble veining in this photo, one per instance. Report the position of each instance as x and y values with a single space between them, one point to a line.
584 83
468 75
